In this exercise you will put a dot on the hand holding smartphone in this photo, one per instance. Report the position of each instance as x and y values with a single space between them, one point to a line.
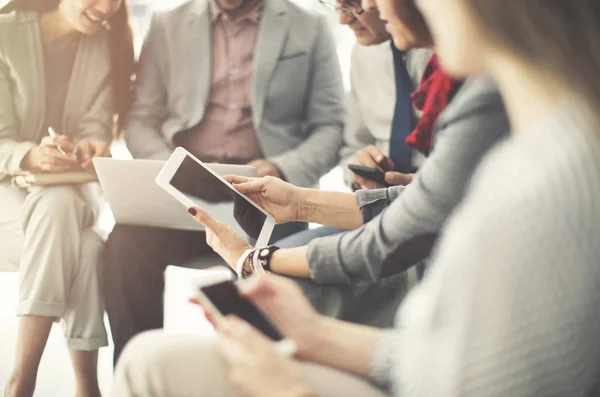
370 173
220 298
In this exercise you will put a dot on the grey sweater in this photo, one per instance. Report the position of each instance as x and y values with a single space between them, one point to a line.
511 303
472 123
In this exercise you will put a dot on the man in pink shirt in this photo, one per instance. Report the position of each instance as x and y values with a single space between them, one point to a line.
232 81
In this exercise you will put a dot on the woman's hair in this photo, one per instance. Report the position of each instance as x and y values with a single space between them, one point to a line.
411 17
560 36
121 50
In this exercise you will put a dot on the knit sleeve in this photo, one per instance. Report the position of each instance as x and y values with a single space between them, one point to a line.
511 303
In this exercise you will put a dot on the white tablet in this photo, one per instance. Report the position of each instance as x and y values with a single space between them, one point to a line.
192 183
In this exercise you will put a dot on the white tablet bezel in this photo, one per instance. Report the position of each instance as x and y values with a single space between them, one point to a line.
285 346
164 177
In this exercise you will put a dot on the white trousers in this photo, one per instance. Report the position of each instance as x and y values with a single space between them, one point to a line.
155 364
47 235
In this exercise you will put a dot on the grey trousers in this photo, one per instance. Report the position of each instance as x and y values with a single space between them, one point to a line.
159 364
47 235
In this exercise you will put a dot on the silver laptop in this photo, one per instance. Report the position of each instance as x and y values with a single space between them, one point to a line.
135 199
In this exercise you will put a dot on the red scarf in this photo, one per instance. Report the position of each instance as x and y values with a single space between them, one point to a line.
431 98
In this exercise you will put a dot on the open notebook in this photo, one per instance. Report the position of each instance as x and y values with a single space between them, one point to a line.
30 179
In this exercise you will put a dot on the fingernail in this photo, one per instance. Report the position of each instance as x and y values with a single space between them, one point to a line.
192 211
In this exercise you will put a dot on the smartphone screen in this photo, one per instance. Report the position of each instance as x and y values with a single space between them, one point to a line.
370 173
212 194
226 298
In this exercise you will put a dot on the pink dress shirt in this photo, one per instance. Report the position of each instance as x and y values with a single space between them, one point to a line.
226 134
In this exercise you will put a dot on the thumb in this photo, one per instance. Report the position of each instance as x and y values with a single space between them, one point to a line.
252 186
237 179
84 150
387 164
397 179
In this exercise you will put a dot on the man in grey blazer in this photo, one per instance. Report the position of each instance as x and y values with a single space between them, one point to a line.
233 81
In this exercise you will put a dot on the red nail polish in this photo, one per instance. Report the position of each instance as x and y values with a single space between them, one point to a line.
192 211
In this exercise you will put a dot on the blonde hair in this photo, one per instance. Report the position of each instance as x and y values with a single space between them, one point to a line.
559 36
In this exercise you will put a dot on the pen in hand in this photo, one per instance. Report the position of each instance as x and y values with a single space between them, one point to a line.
54 135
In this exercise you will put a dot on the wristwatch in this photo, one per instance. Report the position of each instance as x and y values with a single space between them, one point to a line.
264 256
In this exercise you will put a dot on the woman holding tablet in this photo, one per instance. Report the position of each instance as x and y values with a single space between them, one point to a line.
519 315
65 71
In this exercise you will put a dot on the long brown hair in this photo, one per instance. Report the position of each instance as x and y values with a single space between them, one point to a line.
560 36
413 20
121 48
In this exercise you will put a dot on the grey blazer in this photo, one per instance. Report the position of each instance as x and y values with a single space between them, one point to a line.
297 92
89 106
400 236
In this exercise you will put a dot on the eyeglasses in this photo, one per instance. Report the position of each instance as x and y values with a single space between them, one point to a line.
347 6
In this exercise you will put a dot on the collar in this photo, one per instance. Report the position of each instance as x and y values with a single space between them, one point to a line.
252 16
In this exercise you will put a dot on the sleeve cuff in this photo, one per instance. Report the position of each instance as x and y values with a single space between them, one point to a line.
381 369
373 202
291 172
18 154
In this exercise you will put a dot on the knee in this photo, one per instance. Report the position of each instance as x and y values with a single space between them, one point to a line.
142 351
61 202
157 351
138 360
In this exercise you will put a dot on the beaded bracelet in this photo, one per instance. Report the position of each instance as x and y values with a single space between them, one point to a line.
255 261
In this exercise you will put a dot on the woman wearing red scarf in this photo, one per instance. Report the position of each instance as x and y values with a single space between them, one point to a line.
430 99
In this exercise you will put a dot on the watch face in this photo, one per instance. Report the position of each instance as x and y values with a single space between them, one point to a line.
264 253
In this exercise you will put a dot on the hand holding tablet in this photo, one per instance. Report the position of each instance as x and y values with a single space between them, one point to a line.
193 184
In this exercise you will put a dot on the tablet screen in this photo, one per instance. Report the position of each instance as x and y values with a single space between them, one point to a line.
214 196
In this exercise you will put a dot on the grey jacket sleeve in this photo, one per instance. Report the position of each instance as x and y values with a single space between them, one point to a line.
143 131
12 150
325 112
402 235
373 202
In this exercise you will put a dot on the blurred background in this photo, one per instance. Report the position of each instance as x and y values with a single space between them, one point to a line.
55 377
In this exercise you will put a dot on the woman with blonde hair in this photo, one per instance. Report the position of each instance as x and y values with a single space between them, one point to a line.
66 66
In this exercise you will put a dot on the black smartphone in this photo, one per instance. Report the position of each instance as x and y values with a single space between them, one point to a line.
222 298
370 173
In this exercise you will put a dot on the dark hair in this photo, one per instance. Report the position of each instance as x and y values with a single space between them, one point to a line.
121 50
559 36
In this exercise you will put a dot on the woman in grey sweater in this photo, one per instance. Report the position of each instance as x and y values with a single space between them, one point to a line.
511 303
61 69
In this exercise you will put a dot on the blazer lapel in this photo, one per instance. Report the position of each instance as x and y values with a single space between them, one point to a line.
38 80
198 51
272 34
